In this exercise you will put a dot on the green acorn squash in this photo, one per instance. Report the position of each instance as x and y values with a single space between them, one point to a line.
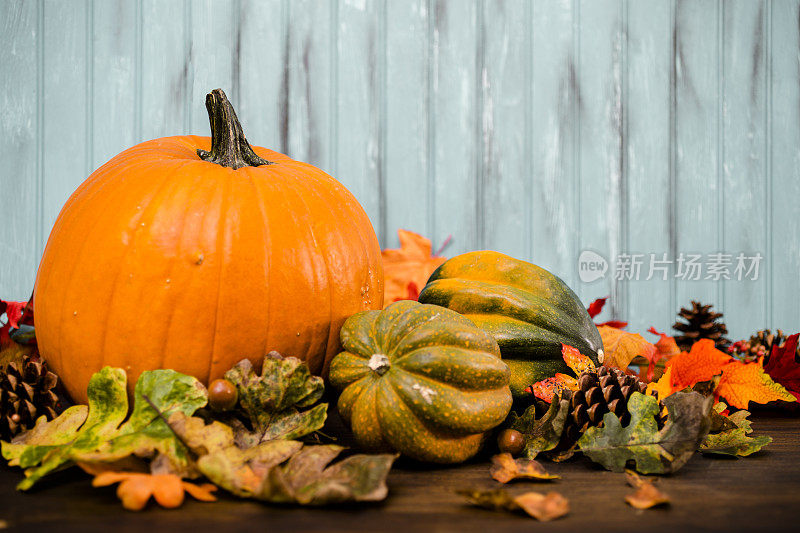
420 380
529 311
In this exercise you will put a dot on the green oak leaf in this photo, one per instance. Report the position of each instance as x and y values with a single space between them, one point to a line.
281 470
542 434
279 402
97 434
651 450
734 442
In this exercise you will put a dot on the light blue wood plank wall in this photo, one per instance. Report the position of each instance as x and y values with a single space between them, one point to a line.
537 128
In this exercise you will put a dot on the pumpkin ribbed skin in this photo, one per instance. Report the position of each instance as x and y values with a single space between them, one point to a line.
421 380
529 311
163 260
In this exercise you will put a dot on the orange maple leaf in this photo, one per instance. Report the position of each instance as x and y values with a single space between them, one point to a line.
620 347
666 349
742 383
411 263
136 488
701 363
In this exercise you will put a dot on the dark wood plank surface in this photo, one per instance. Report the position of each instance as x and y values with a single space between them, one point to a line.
759 493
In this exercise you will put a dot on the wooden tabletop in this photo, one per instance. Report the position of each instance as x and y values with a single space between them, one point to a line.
759 493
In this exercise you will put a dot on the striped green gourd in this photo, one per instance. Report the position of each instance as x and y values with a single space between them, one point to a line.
529 311
420 380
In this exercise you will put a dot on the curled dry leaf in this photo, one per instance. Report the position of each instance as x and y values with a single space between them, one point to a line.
136 488
647 495
730 435
542 507
544 433
505 468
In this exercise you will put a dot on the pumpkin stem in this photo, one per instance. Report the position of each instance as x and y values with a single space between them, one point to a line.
229 147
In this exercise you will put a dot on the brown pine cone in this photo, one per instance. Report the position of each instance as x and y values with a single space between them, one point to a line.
599 392
27 391
700 323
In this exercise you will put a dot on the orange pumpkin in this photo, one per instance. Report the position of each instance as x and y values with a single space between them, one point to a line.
171 256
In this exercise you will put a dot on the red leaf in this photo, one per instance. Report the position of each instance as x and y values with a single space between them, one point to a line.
13 311
596 306
782 366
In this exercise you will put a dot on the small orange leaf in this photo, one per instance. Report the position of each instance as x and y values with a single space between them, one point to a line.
505 468
701 363
742 383
576 360
621 347
136 488
411 263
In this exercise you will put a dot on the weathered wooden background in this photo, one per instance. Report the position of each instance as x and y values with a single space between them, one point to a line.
537 128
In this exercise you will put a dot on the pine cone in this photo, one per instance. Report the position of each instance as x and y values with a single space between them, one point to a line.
701 323
27 391
599 392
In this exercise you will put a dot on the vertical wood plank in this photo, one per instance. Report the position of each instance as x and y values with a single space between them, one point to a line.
113 81
308 90
601 179
409 178
782 206
357 146
456 58
744 157
19 201
166 60
697 143
67 131
213 34
505 171
262 47
557 98
648 158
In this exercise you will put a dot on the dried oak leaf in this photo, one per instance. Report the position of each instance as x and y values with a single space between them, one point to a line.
641 443
647 494
411 263
620 347
281 470
730 434
541 434
99 433
505 468
543 507
783 367
136 488
278 403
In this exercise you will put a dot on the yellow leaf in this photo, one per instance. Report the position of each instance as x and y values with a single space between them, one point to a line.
412 263
621 347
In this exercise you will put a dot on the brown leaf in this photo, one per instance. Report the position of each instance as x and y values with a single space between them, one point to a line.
136 488
646 495
505 468
543 507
